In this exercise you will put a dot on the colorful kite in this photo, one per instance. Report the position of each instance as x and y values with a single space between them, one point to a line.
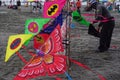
53 8
33 26
15 42
77 17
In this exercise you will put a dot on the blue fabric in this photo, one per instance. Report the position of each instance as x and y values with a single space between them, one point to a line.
53 25
68 76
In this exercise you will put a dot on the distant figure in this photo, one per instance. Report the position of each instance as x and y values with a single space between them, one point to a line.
4 3
39 6
34 4
118 8
78 5
19 4
0 2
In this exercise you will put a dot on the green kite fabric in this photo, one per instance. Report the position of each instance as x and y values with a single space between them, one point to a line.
77 17
33 26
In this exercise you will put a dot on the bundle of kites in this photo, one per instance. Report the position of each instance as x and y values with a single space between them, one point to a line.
47 39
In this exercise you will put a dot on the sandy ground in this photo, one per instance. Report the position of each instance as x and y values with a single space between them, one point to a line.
82 48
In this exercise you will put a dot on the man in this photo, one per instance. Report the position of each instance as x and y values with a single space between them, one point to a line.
107 24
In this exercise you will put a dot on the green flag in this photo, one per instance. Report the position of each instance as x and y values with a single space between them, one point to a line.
33 26
77 17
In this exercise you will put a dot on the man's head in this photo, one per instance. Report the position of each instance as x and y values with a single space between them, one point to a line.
93 4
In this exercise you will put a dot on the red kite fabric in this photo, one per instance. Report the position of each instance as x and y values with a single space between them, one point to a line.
52 41
53 8
41 66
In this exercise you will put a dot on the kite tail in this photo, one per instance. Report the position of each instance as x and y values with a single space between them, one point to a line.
68 76
56 78
85 67
21 57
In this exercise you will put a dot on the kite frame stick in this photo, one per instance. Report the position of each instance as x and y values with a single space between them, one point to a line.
21 57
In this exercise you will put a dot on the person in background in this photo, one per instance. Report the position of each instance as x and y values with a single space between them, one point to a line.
78 5
107 24
39 6
4 3
19 4
34 4
118 8
0 3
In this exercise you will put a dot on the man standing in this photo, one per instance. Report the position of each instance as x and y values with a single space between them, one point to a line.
107 24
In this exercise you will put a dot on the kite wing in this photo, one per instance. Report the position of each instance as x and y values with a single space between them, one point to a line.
40 66
15 42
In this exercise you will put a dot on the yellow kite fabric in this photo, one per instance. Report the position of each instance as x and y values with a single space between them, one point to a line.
15 42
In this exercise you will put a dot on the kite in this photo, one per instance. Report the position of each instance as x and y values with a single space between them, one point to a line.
15 42
77 17
33 26
49 28
53 8
54 39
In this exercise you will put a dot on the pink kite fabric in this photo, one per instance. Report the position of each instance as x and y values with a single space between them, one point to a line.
53 8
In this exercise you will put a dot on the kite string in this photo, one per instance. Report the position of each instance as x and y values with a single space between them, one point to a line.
30 52
86 67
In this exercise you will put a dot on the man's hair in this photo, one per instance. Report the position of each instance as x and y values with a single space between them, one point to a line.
92 1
